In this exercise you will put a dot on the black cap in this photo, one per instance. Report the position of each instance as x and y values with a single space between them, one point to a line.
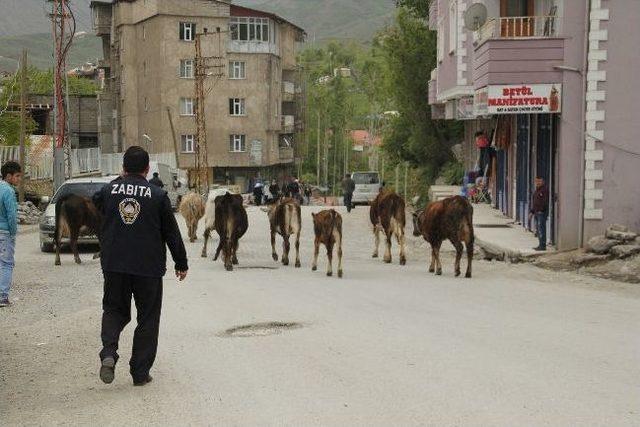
136 160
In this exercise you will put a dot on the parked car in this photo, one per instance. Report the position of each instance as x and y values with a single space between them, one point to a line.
367 187
86 187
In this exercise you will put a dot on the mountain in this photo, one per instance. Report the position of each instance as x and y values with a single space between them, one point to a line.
25 23
331 19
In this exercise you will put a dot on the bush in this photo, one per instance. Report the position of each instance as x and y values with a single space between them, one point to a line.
453 173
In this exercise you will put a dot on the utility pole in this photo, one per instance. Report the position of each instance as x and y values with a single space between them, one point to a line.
23 120
60 14
318 152
202 66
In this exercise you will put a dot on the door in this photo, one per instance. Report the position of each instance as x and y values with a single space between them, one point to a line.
523 173
516 21
545 164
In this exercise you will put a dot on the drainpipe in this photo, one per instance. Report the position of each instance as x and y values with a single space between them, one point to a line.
585 62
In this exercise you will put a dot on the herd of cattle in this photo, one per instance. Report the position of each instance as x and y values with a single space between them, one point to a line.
449 219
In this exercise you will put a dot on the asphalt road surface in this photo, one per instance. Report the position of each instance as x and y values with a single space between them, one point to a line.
386 345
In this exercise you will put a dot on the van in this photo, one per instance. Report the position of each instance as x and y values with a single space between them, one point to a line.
367 186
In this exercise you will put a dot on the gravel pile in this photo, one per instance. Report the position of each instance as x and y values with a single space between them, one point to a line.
28 213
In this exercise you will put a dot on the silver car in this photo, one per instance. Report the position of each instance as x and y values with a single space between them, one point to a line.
367 187
85 187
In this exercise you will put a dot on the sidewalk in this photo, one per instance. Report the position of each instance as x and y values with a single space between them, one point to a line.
500 238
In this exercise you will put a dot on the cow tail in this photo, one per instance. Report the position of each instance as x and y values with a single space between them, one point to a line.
56 233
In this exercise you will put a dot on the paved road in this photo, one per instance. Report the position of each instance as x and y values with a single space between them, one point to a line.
386 345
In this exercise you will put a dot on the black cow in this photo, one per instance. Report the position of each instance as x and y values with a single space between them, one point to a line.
75 215
231 224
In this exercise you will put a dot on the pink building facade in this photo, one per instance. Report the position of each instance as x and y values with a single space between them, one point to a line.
551 83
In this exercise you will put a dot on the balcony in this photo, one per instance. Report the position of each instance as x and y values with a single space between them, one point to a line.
516 50
288 124
286 154
288 91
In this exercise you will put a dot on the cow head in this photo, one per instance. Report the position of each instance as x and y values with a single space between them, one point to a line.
416 224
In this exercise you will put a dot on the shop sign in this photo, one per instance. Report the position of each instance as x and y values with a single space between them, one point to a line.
522 99
464 110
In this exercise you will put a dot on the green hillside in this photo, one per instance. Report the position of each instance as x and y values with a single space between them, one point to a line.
39 46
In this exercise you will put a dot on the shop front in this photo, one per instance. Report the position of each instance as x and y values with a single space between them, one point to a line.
520 122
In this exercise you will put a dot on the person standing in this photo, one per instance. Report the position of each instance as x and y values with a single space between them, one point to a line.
482 142
348 187
274 190
156 180
258 193
11 176
294 190
540 211
138 225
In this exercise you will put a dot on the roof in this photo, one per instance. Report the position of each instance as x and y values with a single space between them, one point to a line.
246 11
362 137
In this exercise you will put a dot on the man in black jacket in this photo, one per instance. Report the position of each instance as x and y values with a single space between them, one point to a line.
540 211
138 225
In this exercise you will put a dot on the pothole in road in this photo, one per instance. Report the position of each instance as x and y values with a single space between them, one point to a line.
260 329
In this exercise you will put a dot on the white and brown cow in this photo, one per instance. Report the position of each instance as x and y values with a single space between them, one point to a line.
327 226
285 219
192 208
387 214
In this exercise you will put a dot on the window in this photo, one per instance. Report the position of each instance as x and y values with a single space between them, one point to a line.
186 68
237 143
236 107
188 143
237 70
249 29
453 26
187 107
187 31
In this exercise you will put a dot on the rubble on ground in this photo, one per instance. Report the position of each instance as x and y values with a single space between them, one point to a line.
616 256
28 213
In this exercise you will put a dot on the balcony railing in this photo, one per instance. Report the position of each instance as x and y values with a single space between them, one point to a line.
518 27
288 124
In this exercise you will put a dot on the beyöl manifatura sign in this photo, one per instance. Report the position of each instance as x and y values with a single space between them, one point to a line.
524 99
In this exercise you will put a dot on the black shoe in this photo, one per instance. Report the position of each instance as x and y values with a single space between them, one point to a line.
107 370
143 382
540 249
4 302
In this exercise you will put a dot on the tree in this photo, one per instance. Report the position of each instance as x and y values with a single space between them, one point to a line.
410 54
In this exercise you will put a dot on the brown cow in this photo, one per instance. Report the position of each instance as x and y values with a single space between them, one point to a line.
192 209
231 224
75 215
285 219
387 214
451 219
327 225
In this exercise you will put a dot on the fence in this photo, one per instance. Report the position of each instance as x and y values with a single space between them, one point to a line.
83 161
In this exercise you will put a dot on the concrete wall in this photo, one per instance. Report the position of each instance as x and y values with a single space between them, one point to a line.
616 95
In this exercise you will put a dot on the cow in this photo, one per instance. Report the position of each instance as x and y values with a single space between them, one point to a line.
231 224
327 226
210 216
75 215
452 219
285 219
192 208
387 214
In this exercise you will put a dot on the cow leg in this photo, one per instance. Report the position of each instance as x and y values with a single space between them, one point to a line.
316 252
329 259
459 249
57 244
228 253
469 245
376 234
432 267
274 254
192 233
339 243
387 253
401 243
207 234
436 252
286 246
73 242
298 265
234 259
220 248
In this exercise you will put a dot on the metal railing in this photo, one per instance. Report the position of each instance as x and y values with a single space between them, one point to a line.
517 27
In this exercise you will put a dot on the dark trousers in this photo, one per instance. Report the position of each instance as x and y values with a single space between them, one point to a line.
484 160
541 228
347 201
116 306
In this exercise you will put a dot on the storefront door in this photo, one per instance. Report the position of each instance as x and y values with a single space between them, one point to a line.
523 169
545 164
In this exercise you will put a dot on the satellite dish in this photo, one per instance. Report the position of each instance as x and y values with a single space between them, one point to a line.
475 17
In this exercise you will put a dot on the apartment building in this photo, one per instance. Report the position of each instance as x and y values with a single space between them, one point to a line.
253 97
551 82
